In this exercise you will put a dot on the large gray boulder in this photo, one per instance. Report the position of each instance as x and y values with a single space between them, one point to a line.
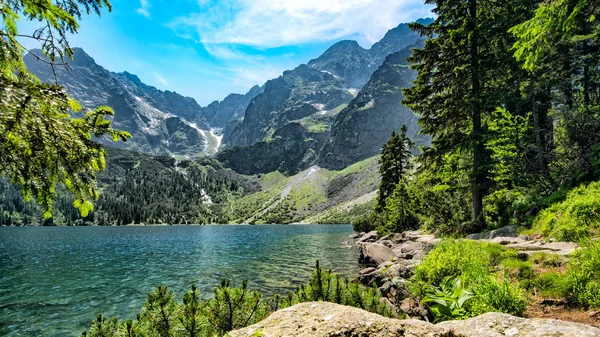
508 231
320 319
504 325
369 237
374 254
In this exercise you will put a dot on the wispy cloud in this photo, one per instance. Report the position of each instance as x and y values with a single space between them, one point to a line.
143 10
250 76
275 23
161 79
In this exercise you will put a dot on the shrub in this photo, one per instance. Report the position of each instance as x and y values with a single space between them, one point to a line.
475 264
401 211
500 207
323 285
162 316
369 222
498 296
551 284
232 308
575 218
453 258
584 276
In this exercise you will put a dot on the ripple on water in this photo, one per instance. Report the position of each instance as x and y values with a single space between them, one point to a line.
53 281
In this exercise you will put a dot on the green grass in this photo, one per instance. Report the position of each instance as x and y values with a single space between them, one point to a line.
306 199
575 218
476 264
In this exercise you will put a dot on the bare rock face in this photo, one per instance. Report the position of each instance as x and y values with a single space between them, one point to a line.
320 319
504 325
315 319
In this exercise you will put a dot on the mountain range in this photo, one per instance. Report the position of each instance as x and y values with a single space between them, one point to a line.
334 111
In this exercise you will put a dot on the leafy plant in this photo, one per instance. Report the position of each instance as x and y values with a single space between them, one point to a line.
448 301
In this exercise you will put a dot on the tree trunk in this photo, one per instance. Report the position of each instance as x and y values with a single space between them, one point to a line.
586 78
540 142
478 178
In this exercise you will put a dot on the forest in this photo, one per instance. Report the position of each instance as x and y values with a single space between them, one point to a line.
138 189
509 91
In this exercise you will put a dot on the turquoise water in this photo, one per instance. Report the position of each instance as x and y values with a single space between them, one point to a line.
53 281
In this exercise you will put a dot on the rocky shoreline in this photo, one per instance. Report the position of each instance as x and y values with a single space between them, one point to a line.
391 260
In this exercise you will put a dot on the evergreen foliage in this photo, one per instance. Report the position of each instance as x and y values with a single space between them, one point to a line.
232 308
140 189
41 143
394 165
323 285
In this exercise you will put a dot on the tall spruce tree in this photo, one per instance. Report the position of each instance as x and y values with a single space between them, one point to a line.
465 71
394 164
447 94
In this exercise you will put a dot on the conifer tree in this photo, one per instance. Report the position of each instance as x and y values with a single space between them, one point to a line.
394 164
41 144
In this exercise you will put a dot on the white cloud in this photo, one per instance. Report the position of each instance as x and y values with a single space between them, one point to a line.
143 10
161 79
275 23
249 76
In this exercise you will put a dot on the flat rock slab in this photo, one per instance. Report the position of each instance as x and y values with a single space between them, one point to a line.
320 319
504 325
561 248
505 240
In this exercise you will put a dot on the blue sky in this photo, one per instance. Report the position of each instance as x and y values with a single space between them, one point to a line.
207 49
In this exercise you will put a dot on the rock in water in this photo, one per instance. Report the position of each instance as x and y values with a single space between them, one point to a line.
314 319
320 319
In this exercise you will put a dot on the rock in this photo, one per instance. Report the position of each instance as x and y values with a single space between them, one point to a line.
320 319
413 235
369 237
508 231
562 248
357 235
412 308
398 238
374 254
387 243
386 237
366 271
418 255
403 270
388 304
408 247
503 240
551 302
533 246
504 325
